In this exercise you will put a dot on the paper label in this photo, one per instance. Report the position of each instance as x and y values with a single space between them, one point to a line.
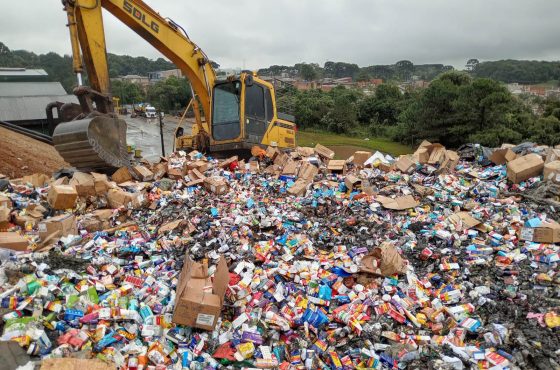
204 319
42 228
527 233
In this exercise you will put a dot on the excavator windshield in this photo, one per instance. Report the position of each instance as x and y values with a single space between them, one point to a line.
225 110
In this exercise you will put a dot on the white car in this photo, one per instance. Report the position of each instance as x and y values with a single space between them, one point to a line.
151 112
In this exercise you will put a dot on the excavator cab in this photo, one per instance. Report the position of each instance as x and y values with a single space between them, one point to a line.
243 114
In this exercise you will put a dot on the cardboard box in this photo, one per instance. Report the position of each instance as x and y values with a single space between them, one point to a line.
308 171
422 154
97 220
552 155
100 183
75 364
502 156
463 221
14 241
119 198
32 215
195 174
405 164
4 218
200 298
323 151
437 153
281 159
5 202
290 168
305 151
202 166
58 226
547 232
272 152
142 173
254 167
176 172
552 172
299 188
62 196
216 185
360 157
337 166
449 162
84 184
225 164
352 182
525 167
121 175
38 180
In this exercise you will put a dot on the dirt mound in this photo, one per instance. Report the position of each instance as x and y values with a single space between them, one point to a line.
21 155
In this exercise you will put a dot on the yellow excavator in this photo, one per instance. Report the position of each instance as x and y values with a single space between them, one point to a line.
230 116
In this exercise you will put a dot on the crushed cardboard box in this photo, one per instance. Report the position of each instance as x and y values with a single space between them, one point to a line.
551 172
502 156
299 188
360 157
384 260
4 218
199 297
75 364
337 166
463 221
62 197
84 183
58 226
5 202
119 198
398 203
405 164
216 185
142 173
352 182
121 175
525 167
38 180
100 183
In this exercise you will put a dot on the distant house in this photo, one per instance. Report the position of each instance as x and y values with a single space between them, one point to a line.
143 81
156 76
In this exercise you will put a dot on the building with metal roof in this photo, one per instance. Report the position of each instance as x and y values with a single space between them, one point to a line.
31 89
22 74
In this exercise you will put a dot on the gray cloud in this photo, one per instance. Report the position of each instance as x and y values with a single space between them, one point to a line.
257 33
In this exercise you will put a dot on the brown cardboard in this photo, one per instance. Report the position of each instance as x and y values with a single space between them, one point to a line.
299 188
552 172
38 180
75 364
14 241
272 152
4 218
405 164
121 175
254 167
463 221
307 171
195 174
84 183
352 182
142 173
437 153
176 172
384 260
225 164
525 167
337 166
62 225
5 202
547 232
449 162
399 203
323 151
502 156
199 298
216 185
360 157
100 183
422 154
159 170
119 198
62 196
385 167
305 151
552 155
202 166
281 159
290 168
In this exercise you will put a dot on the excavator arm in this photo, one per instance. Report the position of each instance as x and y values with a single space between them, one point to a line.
75 140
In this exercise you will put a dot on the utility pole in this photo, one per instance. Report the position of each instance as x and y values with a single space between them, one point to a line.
161 133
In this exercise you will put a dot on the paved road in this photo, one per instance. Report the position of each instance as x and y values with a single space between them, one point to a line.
145 135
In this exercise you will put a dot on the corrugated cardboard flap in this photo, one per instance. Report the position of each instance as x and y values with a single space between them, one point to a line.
221 278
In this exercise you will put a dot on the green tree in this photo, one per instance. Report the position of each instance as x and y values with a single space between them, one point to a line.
127 91
383 107
170 94
308 72
546 130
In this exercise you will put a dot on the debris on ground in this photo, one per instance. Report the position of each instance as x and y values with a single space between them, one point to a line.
289 260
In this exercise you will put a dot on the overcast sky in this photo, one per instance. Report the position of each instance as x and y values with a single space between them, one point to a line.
258 33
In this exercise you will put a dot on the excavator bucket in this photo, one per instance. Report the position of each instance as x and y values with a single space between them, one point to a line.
93 144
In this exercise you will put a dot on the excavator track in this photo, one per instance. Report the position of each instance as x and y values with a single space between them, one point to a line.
93 144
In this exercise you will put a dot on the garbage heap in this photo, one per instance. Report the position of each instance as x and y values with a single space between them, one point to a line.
292 260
